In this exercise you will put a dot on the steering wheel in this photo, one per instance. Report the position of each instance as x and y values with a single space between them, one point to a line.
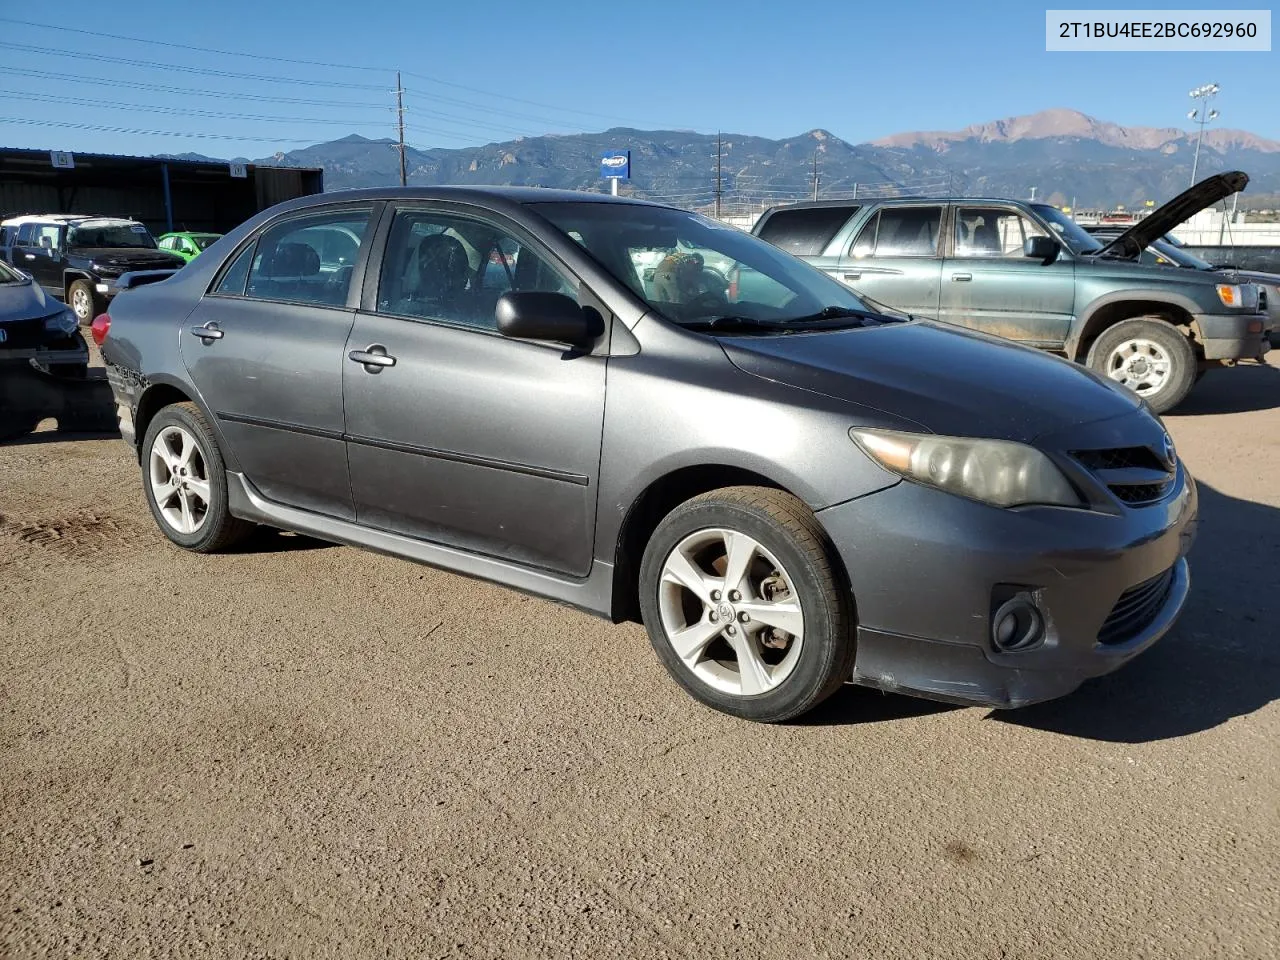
708 299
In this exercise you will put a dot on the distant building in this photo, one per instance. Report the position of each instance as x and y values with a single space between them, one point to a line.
200 195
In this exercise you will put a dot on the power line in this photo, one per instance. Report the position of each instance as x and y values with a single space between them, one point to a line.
190 111
186 91
99 35
137 131
186 68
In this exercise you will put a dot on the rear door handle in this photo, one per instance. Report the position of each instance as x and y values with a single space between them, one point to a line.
853 276
373 358
208 332
959 277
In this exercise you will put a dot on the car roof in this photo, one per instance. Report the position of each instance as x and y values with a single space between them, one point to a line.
62 218
862 202
494 197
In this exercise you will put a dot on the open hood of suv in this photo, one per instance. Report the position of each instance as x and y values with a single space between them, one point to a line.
1130 244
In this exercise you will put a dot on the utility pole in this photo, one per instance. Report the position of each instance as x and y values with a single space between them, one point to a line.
404 178
1033 195
855 191
1202 115
717 174
815 174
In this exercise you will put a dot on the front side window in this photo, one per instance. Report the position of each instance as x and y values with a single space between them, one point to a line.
443 267
203 241
900 232
694 270
992 232
308 258
26 233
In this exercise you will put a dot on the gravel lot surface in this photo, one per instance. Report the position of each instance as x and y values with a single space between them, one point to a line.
302 750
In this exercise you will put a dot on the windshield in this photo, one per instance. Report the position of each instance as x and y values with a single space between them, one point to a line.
203 240
1072 234
693 269
110 235
10 275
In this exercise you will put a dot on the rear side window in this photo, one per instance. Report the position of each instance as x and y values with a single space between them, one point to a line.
805 231
900 232
232 282
308 258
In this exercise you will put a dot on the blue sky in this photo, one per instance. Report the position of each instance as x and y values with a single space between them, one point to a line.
861 70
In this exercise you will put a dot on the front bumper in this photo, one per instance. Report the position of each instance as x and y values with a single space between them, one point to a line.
44 356
1233 336
924 564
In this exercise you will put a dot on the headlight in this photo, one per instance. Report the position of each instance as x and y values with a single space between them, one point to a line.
1238 295
64 323
994 471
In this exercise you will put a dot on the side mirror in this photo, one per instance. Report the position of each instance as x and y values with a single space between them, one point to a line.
546 316
1044 249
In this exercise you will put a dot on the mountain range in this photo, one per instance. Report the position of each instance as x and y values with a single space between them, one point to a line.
1068 157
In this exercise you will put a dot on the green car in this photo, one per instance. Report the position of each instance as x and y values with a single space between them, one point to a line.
187 245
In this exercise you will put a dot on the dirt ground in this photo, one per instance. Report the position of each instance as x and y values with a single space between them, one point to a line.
302 750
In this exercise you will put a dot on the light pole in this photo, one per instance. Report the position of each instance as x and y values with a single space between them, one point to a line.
1202 115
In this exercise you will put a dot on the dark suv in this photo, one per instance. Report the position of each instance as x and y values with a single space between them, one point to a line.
1028 272
81 259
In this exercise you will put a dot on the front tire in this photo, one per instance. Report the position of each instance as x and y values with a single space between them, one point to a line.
1149 356
83 301
185 482
744 604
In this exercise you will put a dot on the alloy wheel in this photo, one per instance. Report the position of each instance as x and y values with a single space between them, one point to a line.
179 479
1141 365
81 303
731 612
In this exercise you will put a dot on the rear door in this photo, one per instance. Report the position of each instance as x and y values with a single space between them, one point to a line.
265 350
989 285
896 258
39 254
457 434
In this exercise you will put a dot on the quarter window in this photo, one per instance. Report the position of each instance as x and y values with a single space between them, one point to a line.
442 267
232 282
900 232
805 231
993 232
307 259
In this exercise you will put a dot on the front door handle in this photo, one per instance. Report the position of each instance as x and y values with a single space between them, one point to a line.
208 333
29 256
960 277
373 358
853 276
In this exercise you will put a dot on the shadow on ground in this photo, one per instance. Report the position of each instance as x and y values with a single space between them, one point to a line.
1239 389
1222 660
82 409
270 540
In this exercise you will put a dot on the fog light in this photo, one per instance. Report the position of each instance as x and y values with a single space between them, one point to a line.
1017 625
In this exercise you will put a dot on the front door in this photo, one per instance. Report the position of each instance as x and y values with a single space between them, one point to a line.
457 434
895 258
989 285
265 350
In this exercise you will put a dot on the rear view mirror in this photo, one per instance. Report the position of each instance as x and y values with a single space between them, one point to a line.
546 316
1044 249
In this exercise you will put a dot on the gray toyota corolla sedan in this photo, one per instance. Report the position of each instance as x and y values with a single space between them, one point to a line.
649 415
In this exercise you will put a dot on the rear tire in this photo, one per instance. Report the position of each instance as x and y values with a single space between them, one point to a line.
185 482
1150 356
768 645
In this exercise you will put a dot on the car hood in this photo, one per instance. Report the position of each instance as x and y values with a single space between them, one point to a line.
950 381
1130 244
117 257
25 301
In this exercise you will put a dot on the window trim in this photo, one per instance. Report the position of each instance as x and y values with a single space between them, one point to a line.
956 210
939 244
354 289
463 211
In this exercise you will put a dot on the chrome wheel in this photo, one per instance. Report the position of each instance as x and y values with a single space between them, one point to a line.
730 612
179 479
82 303
1141 365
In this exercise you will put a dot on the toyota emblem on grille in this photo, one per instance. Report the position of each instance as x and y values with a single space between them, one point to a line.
1170 455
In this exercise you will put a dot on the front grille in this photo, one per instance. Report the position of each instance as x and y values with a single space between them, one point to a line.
1135 609
1137 494
1136 475
1121 458
24 334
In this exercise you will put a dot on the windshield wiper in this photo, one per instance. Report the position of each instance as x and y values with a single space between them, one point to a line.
843 317
738 325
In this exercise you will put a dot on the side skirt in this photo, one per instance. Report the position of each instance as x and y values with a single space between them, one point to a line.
593 594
